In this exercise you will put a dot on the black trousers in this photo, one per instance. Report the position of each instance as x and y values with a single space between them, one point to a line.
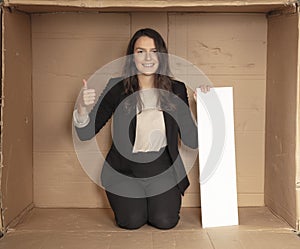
154 204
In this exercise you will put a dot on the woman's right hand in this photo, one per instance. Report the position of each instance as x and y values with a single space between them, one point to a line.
204 89
88 98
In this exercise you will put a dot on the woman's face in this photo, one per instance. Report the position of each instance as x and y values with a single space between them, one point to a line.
145 56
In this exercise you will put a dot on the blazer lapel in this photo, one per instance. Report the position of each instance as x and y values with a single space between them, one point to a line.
171 134
132 126
168 125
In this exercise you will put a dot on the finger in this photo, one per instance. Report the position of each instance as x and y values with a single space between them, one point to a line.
89 102
89 92
205 88
89 97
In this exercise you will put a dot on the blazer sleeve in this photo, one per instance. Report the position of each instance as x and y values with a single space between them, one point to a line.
102 110
187 127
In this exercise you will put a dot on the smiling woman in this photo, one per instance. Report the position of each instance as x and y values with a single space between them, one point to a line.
147 63
145 58
151 108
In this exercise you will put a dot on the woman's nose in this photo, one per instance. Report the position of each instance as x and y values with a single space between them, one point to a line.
148 56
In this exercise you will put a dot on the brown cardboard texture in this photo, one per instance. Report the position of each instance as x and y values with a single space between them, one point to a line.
263 6
17 162
92 228
46 55
52 43
281 116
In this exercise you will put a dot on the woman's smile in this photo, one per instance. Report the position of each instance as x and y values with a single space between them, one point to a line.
148 64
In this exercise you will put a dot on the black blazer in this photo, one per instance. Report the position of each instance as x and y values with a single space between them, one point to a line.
178 122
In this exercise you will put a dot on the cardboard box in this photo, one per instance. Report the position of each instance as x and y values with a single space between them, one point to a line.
49 46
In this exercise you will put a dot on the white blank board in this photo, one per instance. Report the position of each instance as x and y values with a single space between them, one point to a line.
217 157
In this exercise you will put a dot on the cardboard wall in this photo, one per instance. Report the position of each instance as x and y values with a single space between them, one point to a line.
67 47
16 181
225 48
281 114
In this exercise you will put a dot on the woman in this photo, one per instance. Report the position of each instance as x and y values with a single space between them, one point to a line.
143 174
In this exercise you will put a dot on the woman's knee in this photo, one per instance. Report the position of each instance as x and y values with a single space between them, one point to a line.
164 221
132 221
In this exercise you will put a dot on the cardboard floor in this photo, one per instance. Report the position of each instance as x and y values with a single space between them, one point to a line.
95 228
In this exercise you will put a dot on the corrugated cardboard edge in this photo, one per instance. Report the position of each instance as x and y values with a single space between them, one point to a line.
297 154
146 3
36 6
1 126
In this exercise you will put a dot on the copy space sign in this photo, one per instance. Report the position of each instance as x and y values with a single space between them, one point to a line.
217 157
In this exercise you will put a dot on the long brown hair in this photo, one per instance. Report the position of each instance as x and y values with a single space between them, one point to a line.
162 77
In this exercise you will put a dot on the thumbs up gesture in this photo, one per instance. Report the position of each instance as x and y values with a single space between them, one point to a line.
87 98
88 95
80 115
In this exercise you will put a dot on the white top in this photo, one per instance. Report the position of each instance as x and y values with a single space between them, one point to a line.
150 126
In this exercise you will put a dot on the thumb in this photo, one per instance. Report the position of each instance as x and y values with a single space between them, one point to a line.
84 87
84 84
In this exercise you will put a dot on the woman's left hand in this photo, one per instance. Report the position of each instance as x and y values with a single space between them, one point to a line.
204 89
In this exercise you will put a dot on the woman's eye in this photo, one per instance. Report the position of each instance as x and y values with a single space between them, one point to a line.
140 51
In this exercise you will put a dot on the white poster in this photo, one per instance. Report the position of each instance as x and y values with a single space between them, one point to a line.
217 157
